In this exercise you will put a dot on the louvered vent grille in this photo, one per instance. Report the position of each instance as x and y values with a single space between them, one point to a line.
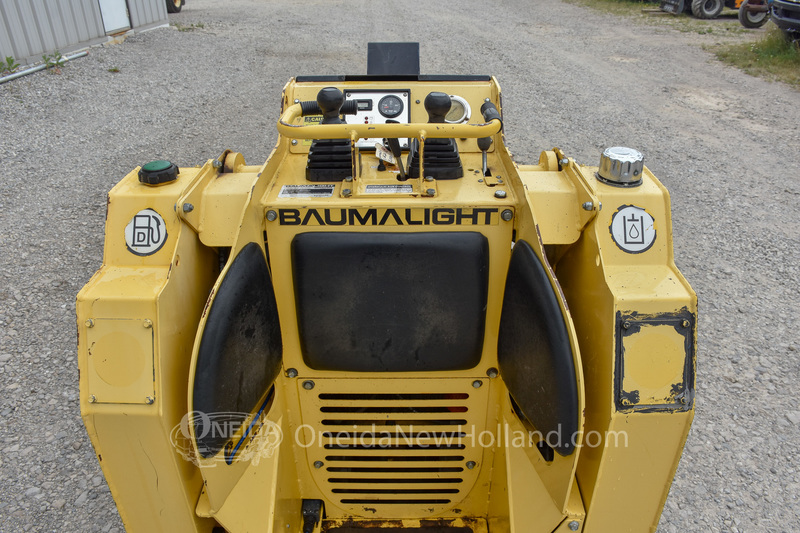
390 450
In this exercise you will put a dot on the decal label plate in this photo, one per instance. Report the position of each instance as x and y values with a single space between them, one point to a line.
146 233
633 229
400 188
306 191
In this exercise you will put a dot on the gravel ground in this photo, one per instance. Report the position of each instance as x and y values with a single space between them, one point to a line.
725 144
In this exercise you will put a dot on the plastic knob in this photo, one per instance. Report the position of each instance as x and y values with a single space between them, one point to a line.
330 100
484 143
158 172
621 166
437 105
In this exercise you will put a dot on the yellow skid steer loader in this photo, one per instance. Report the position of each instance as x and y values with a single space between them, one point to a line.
389 325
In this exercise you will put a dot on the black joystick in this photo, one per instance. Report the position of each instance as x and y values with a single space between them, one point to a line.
441 155
328 159
330 101
437 105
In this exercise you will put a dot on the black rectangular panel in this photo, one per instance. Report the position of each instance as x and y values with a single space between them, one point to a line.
393 59
393 302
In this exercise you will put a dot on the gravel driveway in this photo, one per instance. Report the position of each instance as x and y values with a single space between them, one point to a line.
725 144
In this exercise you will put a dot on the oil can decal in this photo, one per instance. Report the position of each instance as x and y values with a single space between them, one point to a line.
633 229
146 233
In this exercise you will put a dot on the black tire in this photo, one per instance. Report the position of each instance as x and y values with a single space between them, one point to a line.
707 9
752 19
791 36
174 6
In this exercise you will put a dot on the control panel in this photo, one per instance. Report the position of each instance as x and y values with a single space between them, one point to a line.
378 107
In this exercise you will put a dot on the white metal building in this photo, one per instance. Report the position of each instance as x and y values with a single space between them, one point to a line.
32 28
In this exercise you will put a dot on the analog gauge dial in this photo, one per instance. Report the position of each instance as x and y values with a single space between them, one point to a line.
459 110
390 106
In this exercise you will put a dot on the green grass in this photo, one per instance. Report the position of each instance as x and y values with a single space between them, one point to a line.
191 27
773 57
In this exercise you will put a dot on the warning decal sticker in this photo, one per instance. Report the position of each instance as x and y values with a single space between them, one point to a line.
401 188
146 233
306 191
633 229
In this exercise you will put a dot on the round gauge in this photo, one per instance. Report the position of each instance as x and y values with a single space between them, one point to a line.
390 106
459 110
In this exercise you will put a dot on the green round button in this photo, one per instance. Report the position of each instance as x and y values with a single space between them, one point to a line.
157 166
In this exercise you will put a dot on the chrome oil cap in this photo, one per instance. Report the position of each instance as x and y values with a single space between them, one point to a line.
621 166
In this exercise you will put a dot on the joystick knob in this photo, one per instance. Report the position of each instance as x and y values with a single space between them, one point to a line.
437 105
330 101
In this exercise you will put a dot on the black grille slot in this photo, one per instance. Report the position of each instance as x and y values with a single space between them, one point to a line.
395 397
394 422
394 446
395 491
432 480
413 409
441 436
397 502
420 470
390 458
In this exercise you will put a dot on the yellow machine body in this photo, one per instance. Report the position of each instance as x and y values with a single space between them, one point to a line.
344 444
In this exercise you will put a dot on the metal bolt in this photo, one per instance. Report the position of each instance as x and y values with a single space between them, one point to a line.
477 384
563 162
499 194
574 525
147 323
296 100
684 401
149 400
492 373
507 215
428 178
625 401
89 323
308 385
294 142
470 464
348 179
292 372
92 399
685 323
626 325
271 215
480 181
588 206
346 192
430 192
216 163
188 208
487 100
318 464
